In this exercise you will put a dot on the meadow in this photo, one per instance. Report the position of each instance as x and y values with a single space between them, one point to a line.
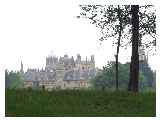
78 103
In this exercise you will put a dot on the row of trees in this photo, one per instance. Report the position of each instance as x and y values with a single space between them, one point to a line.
128 24
105 79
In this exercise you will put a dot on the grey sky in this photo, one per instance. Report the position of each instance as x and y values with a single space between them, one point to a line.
32 29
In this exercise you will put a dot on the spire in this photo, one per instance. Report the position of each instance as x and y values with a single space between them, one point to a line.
92 58
21 70
86 59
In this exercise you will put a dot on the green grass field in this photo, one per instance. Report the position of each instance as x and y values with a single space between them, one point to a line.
79 103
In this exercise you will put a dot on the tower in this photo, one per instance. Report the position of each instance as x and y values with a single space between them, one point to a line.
142 56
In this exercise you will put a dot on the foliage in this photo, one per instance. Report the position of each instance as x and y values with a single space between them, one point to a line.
105 17
106 79
148 73
107 76
13 79
79 103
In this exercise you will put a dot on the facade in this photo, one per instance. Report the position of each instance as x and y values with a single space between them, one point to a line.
61 73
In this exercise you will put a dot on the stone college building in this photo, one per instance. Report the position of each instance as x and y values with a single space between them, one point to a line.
61 73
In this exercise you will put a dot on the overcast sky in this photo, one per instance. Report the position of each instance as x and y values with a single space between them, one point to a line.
31 29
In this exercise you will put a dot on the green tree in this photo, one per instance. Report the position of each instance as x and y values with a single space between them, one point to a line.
105 18
111 20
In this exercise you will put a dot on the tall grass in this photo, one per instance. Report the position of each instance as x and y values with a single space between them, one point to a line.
79 103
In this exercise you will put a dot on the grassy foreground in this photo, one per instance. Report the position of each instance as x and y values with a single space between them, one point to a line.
79 103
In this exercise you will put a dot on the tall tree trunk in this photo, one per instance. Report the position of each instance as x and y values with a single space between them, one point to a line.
134 65
118 44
